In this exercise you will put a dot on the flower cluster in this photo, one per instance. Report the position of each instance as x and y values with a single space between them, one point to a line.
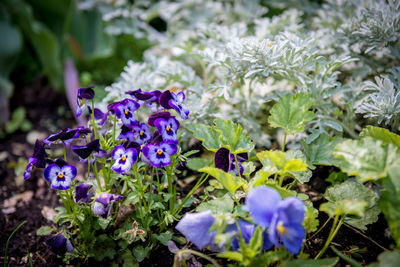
281 220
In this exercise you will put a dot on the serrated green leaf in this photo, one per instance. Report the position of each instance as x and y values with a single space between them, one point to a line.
233 137
164 237
207 134
351 190
367 159
45 230
217 206
311 221
329 262
197 163
229 181
390 201
388 259
140 253
291 113
320 151
256 240
381 134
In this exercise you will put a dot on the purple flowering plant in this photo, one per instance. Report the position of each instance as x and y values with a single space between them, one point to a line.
119 170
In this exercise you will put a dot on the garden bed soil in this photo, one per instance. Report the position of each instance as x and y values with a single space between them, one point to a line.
48 109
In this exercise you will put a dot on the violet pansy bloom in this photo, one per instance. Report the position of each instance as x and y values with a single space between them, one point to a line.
175 101
225 161
124 159
159 155
126 134
38 159
125 110
86 150
59 244
66 136
283 218
142 133
153 117
168 128
149 99
84 94
103 202
84 193
60 174
195 227
99 116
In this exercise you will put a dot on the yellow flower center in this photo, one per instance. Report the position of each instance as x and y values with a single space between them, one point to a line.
160 152
168 128
126 112
123 159
60 176
281 229
141 133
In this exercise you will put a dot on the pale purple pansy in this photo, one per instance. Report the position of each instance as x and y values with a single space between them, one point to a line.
123 159
103 202
168 128
125 110
159 155
60 175
142 133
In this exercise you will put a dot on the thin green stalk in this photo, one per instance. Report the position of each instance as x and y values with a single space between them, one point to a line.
150 192
335 228
202 179
237 166
319 230
181 254
64 201
114 127
8 241
346 258
284 142
96 174
170 188
93 121
65 151
140 187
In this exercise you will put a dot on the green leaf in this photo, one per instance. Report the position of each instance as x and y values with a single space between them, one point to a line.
198 163
390 202
354 191
320 151
292 112
388 259
232 255
217 206
207 134
367 159
285 164
256 240
336 178
164 237
140 253
268 258
381 134
311 221
329 262
233 137
229 181
44 230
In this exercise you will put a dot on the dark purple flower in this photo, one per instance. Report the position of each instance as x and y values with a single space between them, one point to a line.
168 128
83 95
158 115
59 244
38 159
103 204
170 100
247 229
67 135
126 134
99 116
140 95
124 159
60 174
225 161
159 155
125 110
84 151
142 133
283 218
84 192
195 227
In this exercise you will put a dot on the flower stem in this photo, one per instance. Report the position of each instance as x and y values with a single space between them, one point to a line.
181 253
114 127
335 228
96 174
284 142
93 121
202 179
237 165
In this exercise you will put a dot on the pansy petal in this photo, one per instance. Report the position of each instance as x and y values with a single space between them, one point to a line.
293 208
180 97
262 202
293 238
132 154
69 171
170 149
221 159
51 172
118 152
195 226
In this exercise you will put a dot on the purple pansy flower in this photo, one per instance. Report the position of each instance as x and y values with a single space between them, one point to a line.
159 155
168 128
154 116
99 116
225 161
84 151
142 133
283 218
38 159
60 174
67 135
175 101
124 159
103 204
59 244
84 192
195 227
125 110
149 99
247 229
126 134
83 95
